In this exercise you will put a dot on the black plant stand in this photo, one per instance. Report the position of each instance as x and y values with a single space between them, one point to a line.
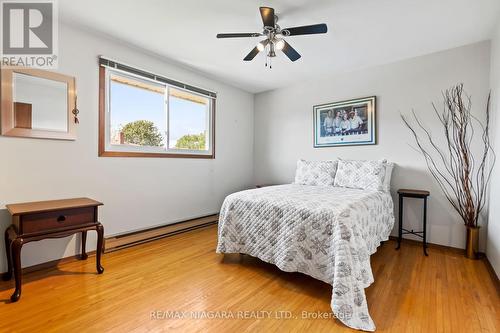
422 234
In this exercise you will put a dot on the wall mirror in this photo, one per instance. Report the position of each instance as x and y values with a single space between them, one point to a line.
38 104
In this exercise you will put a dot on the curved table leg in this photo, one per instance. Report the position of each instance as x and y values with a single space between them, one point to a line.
84 243
8 275
99 249
17 244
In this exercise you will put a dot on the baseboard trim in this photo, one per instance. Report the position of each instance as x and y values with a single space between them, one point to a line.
431 245
122 241
493 274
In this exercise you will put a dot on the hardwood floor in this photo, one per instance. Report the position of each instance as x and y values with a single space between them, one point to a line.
444 292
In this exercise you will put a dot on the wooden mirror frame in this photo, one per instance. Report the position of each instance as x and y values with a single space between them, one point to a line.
7 105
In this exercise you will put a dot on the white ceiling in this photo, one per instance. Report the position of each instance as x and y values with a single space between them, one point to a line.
361 33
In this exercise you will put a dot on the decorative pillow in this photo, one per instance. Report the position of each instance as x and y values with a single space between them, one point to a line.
386 186
367 175
315 172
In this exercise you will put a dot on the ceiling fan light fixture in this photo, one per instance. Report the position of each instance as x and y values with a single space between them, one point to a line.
279 44
261 46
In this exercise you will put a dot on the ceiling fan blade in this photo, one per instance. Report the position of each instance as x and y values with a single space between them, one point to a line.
306 30
256 50
267 14
290 52
237 35
252 54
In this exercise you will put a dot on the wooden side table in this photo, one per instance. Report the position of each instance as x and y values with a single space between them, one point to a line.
421 194
35 221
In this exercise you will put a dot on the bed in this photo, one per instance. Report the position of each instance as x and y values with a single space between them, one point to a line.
325 232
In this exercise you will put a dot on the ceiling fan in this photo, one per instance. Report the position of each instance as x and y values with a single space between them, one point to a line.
275 36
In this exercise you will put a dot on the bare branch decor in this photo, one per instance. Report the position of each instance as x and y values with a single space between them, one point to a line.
462 172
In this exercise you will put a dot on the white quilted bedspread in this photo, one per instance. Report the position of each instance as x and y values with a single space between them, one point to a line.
325 232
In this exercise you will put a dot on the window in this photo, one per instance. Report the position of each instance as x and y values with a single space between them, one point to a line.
144 116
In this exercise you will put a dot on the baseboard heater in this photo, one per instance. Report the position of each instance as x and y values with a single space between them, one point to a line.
118 242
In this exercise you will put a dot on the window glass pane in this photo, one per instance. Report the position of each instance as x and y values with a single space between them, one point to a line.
150 117
188 120
137 112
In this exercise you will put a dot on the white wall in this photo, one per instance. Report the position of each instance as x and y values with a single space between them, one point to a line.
493 242
284 125
137 192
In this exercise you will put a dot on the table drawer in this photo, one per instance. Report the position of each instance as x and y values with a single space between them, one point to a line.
40 222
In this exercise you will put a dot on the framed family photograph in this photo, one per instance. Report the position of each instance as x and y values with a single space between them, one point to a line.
345 123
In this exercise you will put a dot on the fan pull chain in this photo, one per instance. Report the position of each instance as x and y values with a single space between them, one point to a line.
265 50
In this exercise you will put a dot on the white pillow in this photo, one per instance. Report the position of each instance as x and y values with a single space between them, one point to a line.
315 172
367 175
386 186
